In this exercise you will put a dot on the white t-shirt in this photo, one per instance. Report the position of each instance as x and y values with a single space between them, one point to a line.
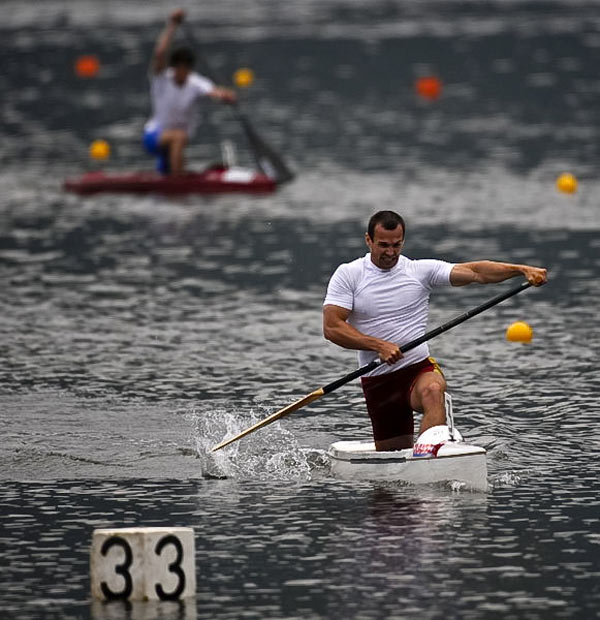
173 106
391 304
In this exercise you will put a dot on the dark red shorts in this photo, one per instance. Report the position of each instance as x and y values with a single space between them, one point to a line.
388 399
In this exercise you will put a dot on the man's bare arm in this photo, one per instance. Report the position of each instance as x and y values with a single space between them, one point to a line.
160 56
337 329
223 94
489 272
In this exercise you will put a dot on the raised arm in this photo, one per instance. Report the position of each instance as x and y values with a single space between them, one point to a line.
489 272
160 58
340 332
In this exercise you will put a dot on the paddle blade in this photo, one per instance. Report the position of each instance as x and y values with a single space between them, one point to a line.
268 161
274 416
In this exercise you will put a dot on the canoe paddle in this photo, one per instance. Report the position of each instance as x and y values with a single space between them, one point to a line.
268 161
330 387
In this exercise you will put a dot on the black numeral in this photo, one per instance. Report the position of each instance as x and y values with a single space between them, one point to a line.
174 567
120 569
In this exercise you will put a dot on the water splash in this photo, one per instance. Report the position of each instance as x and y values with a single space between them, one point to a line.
505 479
272 453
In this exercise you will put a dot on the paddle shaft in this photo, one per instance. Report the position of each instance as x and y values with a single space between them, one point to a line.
334 385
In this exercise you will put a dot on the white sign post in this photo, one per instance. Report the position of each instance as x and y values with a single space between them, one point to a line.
143 563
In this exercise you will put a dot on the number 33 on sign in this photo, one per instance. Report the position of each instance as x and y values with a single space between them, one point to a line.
143 563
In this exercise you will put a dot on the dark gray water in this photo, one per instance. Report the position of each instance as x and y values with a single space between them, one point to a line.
137 332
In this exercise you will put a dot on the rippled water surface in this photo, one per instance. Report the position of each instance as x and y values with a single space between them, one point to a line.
137 332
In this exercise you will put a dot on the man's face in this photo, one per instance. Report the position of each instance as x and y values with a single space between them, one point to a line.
386 246
181 73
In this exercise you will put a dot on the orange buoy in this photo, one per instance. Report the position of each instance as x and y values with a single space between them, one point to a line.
87 66
429 87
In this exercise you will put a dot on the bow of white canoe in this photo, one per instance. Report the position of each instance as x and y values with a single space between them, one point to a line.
455 461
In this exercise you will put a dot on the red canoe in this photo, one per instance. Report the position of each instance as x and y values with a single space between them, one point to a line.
214 180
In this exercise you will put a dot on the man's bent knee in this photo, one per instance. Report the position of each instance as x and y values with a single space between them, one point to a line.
429 388
432 390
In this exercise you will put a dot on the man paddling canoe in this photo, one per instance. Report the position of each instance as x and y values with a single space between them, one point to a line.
175 90
379 302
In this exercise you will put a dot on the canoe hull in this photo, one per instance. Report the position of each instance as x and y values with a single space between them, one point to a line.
214 180
455 461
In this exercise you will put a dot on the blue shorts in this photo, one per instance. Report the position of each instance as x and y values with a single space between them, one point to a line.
151 142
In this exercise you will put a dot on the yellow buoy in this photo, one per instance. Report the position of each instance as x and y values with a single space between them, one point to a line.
243 77
566 183
99 149
519 332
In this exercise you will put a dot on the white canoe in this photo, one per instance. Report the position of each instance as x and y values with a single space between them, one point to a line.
455 461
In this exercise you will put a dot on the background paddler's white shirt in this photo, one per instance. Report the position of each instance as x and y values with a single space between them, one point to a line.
173 106
391 304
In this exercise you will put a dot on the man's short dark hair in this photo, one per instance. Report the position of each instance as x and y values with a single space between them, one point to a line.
389 220
182 56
